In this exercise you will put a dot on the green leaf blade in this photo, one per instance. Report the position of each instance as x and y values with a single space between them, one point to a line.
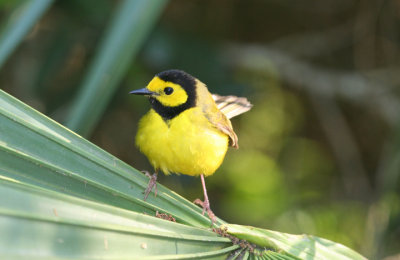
79 228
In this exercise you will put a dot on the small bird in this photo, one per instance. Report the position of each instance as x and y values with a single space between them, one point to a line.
187 130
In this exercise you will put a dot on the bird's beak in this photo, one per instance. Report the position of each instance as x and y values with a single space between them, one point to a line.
143 91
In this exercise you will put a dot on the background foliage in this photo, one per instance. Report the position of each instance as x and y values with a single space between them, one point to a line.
319 151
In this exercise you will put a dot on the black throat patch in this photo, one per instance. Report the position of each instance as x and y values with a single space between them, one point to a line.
187 82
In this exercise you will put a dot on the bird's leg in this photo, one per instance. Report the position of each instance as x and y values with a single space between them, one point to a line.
206 203
152 183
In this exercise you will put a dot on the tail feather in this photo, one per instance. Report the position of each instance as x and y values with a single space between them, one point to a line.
232 106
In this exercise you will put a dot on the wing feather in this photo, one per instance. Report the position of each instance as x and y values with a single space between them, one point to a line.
232 106
219 109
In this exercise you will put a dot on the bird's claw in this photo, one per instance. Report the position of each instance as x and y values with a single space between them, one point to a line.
206 207
152 184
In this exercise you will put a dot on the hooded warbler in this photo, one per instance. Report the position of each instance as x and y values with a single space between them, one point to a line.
187 130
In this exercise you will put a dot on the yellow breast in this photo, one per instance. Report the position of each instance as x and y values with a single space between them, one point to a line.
186 144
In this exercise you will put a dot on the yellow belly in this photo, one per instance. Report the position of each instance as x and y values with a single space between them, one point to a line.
187 144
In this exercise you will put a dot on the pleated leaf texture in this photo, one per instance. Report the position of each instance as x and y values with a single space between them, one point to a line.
62 197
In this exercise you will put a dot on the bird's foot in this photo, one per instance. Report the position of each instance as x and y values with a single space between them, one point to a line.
152 184
206 207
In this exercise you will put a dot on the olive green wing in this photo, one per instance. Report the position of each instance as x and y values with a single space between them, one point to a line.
218 109
221 122
229 106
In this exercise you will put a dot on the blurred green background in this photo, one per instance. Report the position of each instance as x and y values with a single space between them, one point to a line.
320 150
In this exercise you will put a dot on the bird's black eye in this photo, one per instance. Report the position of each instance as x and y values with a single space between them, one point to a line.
168 90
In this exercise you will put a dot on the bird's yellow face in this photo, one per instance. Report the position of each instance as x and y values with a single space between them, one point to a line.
169 94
